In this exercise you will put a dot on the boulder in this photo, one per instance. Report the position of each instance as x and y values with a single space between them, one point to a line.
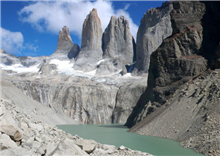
109 66
87 145
36 127
11 131
7 143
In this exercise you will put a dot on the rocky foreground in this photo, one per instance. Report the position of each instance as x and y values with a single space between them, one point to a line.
21 134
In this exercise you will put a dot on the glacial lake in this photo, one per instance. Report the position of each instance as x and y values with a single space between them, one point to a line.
117 135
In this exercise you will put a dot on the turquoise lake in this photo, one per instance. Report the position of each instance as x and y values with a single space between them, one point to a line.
117 135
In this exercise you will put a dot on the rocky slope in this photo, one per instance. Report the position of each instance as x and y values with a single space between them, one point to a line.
30 106
21 134
190 116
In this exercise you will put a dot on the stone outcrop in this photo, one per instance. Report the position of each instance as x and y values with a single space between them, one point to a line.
175 61
11 131
48 69
155 26
117 44
65 45
91 45
38 138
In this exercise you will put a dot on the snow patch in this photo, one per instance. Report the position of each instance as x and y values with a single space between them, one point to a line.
66 67
63 66
19 68
127 75
100 61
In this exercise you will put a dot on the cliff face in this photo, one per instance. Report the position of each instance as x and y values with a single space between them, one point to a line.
85 100
91 45
155 26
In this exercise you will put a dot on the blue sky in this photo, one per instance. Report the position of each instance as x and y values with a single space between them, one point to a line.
32 28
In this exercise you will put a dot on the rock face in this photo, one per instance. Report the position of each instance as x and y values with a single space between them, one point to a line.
126 99
155 26
91 101
65 44
118 44
175 61
91 45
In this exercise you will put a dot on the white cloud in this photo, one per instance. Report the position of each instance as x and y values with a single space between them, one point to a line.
52 16
127 6
12 42
31 47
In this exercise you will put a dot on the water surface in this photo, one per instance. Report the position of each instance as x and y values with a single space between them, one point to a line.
117 135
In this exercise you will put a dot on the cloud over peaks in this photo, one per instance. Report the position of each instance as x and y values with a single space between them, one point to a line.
12 42
52 16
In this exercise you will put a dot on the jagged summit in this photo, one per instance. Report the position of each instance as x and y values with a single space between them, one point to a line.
65 45
64 35
91 45
117 40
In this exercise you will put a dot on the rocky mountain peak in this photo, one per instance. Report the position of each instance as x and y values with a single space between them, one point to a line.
118 46
94 14
64 35
117 39
91 31
91 45
65 45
